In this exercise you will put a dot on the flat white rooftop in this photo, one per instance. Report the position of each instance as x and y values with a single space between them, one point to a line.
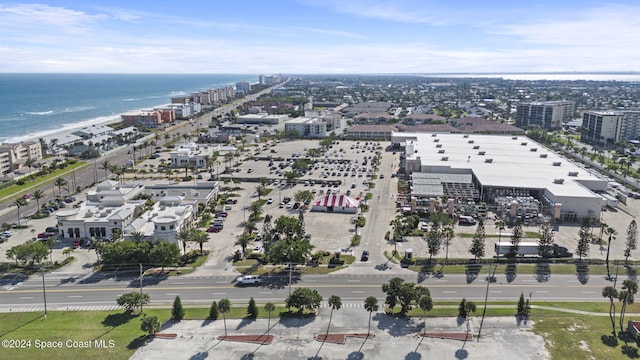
501 161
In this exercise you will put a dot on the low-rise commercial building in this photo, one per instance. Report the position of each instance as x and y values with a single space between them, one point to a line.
307 127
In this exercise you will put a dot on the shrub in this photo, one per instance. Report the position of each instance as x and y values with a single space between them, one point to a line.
177 312
150 324
252 309
213 311
355 240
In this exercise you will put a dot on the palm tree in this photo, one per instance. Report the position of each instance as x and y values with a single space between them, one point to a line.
29 163
19 203
335 303
243 241
137 236
60 182
106 166
224 306
500 225
611 293
611 232
469 308
426 304
269 307
371 305
200 237
37 195
185 235
626 296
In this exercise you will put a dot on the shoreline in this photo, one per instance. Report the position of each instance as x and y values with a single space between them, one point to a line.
71 127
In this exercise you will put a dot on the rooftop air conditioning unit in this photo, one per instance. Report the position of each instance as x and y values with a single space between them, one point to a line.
488 160
436 140
476 147
558 181
534 149
556 163
465 136
514 138
481 152
438 145
573 173
471 141
434 134
441 151
544 156
523 143
444 158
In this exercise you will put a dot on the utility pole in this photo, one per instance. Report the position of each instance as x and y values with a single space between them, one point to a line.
44 293
140 285
486 297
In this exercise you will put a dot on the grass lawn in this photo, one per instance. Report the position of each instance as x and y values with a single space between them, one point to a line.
40 181
567 336
527 269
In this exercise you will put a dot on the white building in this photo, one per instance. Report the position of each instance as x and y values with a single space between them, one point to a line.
108 209
191 154
610 126
261 118
502 166
332 118
307 127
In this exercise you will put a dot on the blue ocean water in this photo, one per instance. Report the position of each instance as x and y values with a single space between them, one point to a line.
33 105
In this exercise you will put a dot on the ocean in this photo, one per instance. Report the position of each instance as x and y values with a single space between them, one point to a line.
34 105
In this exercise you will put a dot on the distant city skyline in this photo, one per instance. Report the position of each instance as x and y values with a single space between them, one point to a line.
319 36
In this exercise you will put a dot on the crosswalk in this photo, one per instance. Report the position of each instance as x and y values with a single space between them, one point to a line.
60 308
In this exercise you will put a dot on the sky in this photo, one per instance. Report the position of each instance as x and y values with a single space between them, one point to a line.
319 36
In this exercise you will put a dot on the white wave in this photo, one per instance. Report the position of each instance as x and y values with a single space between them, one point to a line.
40 112
78 108
130 99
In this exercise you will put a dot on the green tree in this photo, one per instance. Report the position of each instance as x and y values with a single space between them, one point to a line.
60 182
132 300
611 293
335 303
150 324
523 308
177 312
224 306
243 240
164 253
20 202
371 305
500 225
545 242
626 297
185 236
632 240
269 307
29 252
462 310
304 299
213 311
199 237
426 304
252 309
37 195
584 237
106 166
399 292
51 242
137 236
478 243
611 232
516 236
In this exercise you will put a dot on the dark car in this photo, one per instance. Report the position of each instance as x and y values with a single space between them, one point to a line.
231 201
365 255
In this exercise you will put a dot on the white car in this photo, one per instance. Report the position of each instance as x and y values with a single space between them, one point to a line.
270 201
248 280
257 248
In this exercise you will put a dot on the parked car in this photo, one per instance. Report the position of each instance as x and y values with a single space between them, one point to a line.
270 201
45 235
77 243
231 201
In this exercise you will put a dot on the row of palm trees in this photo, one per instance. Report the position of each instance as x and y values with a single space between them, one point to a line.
625 296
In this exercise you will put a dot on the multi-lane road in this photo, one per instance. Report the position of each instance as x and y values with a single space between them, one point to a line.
98 290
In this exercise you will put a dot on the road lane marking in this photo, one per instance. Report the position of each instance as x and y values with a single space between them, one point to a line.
495 291
449 292
265 292
542 291
177 283
218 293
172 294
221 282
75 296
357 292
353 280
589 292
26 297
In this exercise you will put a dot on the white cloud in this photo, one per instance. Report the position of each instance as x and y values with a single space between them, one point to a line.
43 15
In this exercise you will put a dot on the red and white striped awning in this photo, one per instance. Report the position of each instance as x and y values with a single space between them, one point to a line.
333 200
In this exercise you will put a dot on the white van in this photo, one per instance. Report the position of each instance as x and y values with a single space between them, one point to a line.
249 280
